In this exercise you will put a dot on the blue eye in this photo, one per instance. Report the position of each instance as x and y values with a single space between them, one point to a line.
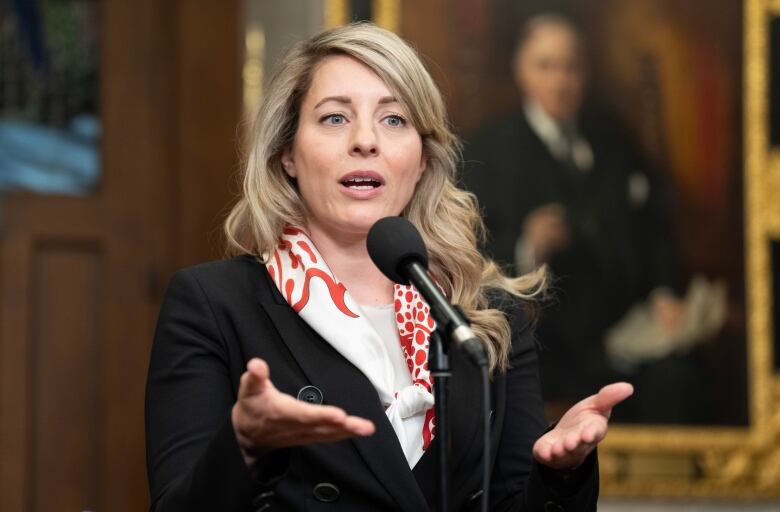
395 120
335 119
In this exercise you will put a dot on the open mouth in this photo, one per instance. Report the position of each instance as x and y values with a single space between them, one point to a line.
361 182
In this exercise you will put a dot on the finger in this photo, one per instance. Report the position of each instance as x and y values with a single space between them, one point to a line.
593 433
590 434
572 441
311 414
359 426
542 451
327 433
256 377
297 412
332 430
288 411
611 395
543 455
557 449
561 452
599 428
329 416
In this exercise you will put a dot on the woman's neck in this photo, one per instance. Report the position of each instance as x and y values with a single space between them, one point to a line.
348 259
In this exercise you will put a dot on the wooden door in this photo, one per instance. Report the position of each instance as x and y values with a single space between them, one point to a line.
81 278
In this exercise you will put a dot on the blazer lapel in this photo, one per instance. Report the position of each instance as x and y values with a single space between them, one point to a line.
343 385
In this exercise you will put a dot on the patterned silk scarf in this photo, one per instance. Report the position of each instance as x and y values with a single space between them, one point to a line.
308 285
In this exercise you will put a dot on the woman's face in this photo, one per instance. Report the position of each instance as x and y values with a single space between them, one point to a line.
355 156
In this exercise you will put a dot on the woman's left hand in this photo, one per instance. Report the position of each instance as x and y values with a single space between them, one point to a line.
579 430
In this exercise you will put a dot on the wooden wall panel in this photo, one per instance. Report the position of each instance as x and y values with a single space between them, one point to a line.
208 71
14 325
64 375
81 278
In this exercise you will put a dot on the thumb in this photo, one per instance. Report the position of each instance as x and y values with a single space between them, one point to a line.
256 378
611 395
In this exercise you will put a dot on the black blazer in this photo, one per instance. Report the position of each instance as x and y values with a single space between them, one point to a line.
217 316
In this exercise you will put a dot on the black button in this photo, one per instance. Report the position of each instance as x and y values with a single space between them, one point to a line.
325 492
311 394
260 498
263 508
476 495
551 506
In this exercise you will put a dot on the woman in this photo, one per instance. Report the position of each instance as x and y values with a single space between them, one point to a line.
294 375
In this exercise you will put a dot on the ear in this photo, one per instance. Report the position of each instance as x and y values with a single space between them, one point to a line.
288 163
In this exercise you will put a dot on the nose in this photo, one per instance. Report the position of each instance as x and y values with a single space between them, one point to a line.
364 140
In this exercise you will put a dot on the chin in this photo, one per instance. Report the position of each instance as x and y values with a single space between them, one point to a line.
362 223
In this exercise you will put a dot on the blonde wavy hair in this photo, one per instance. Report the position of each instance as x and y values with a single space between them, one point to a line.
448 218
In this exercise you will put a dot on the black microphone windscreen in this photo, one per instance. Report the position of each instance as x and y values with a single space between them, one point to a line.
393 242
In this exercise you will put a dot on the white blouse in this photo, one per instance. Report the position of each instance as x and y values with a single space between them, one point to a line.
408 427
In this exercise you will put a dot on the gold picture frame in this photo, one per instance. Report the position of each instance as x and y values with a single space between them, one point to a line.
711 461
386 13
696 461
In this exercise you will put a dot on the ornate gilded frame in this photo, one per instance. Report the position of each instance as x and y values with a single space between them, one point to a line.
707 461
712 461
387 13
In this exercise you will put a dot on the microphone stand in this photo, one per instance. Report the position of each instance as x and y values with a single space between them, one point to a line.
439 364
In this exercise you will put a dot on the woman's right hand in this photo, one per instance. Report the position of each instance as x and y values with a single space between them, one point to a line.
265 419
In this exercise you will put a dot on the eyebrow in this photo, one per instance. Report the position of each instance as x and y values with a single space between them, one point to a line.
347 100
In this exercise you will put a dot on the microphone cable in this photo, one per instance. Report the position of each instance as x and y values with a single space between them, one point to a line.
485 437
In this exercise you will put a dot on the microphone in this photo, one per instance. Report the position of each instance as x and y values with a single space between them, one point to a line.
397 249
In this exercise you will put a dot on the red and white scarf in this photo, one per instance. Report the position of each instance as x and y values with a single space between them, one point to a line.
309 286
